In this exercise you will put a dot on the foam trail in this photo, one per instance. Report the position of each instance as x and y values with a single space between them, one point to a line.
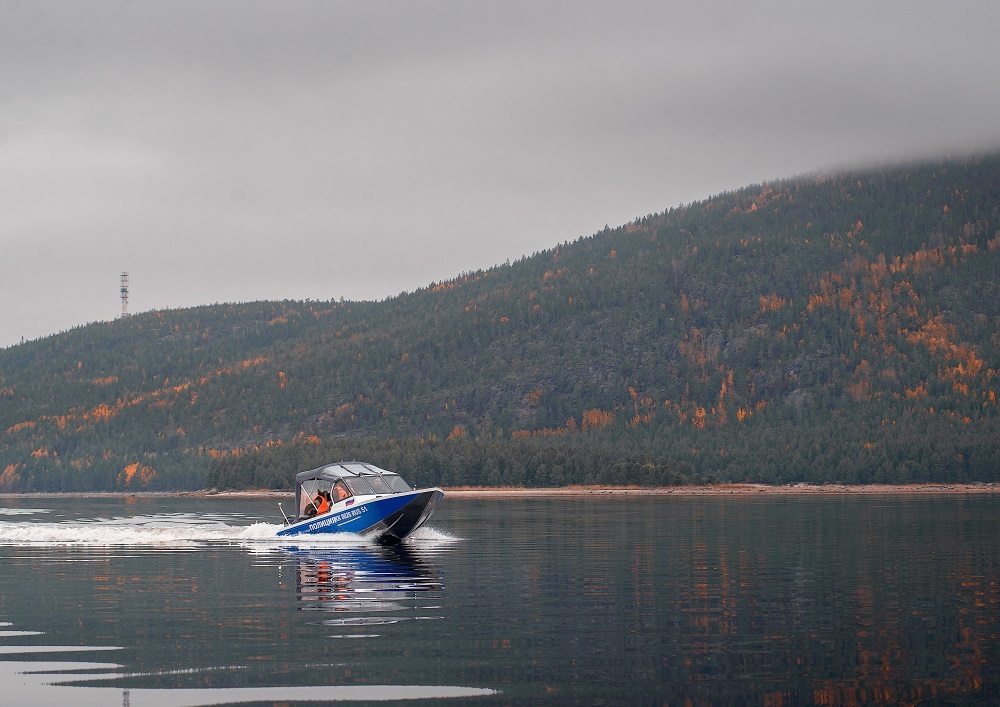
106 534
187 530
155 532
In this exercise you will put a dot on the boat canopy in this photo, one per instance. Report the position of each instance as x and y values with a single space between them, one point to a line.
359 478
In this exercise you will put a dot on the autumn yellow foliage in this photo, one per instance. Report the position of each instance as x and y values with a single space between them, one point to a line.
9 478
597 418
144 473
772 303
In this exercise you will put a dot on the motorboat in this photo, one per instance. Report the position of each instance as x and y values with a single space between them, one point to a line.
356 497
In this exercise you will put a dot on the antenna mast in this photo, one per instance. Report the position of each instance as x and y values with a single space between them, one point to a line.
124 280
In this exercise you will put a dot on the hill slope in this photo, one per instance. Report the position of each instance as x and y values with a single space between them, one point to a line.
822 328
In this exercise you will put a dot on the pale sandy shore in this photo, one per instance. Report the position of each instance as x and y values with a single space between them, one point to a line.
730 490
585 491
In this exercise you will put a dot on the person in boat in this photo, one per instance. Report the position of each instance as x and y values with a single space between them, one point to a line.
340 492
322 503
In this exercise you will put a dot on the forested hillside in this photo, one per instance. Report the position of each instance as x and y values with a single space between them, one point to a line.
840 328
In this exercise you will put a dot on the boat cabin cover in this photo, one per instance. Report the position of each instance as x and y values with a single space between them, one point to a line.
342 480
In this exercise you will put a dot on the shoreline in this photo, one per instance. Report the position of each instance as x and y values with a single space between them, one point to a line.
800 489
732 490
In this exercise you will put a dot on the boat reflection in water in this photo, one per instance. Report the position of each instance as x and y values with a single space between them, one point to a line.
357 588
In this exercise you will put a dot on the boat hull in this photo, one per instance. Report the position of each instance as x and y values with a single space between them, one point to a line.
388 518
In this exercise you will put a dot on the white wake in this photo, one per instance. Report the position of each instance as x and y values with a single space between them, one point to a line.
168 531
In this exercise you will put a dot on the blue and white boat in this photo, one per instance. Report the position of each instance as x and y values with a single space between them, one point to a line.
355 497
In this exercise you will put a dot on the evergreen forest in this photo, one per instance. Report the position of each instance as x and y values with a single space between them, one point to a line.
826 328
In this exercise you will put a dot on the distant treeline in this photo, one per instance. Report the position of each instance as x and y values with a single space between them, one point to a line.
901 447
482 462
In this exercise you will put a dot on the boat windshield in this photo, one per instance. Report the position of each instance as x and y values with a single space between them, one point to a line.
396 483
378 484
359 487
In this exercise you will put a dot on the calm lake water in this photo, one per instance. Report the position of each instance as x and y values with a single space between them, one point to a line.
671 600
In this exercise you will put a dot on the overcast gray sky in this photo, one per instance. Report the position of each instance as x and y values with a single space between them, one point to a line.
235 151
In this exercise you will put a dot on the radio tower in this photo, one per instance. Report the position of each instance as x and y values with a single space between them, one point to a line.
124 294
